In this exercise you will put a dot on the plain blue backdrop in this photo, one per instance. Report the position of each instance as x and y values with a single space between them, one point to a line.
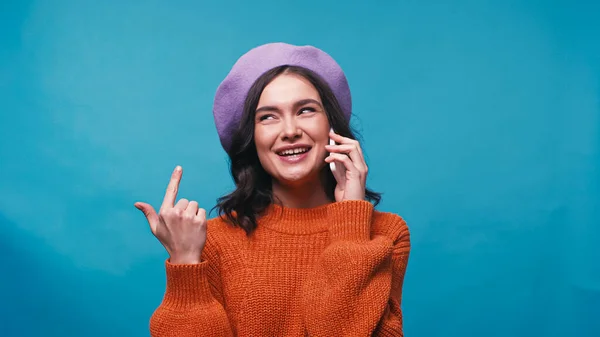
480 121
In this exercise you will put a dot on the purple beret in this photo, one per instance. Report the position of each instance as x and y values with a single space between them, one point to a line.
231 93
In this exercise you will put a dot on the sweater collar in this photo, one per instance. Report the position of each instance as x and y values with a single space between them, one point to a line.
300 221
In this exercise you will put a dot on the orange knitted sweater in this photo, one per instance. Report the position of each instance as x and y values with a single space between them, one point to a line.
334 270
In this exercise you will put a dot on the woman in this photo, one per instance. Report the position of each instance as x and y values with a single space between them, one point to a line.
295 250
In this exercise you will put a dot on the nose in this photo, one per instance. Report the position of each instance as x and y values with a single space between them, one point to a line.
291 130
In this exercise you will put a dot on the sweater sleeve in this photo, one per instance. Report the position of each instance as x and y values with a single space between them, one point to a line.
357 286
193 302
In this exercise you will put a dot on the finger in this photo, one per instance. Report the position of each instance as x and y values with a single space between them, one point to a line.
192 208
201 214
339 139
350 150
339 173
344 159
172 188
182 204
150 214
345 140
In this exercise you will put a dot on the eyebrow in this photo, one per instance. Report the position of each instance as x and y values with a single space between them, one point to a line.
296 105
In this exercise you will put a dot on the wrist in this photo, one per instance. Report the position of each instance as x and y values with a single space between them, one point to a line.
185 259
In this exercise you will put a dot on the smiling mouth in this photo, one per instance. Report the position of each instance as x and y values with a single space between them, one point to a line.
293 152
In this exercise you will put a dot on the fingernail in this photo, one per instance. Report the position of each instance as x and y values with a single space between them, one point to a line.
178 168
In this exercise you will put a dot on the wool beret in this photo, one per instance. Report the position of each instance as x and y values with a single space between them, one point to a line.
231 93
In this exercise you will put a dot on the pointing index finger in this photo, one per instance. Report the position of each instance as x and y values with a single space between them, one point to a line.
172 188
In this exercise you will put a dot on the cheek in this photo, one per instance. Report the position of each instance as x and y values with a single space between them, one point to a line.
320 134
263 142
320 137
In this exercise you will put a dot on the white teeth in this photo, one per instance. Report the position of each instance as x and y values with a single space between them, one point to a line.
293 151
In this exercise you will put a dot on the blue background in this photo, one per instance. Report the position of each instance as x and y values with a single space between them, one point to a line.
480 120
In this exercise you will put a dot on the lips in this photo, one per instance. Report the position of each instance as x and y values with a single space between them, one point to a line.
295 151
293 155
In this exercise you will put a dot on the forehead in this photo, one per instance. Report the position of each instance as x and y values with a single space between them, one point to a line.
288 88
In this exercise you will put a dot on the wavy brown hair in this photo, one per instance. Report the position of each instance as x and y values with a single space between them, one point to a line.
253 191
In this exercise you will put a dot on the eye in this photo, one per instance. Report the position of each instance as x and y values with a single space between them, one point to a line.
265 117
306 110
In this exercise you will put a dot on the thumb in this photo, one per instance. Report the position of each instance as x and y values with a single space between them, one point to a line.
338 173
150 214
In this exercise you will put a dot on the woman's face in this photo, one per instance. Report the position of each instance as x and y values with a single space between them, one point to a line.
291 130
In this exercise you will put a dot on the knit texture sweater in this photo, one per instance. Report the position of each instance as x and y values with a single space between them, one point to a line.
333 270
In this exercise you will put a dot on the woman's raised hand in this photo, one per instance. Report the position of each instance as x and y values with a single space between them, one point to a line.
181 227
349 153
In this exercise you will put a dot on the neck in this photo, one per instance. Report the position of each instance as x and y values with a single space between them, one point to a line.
308 195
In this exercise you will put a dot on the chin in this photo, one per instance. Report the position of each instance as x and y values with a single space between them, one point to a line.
306 170
293 179
296 176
